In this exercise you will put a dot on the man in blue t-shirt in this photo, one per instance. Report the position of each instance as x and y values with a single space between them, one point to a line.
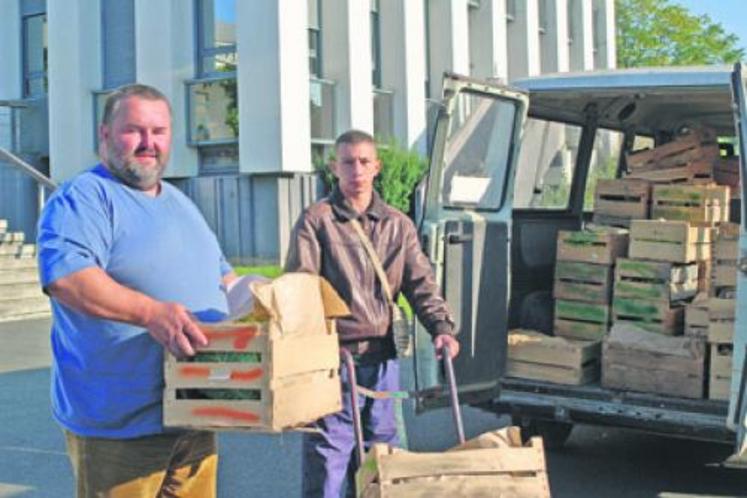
130 265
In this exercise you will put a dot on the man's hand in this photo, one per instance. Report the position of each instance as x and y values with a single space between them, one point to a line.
172 326
448 340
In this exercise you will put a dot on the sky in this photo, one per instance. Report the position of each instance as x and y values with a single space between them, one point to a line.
731 14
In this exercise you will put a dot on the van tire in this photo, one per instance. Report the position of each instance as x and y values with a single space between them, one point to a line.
536 312
554 434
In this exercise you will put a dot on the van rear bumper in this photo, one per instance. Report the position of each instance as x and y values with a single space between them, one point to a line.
591 404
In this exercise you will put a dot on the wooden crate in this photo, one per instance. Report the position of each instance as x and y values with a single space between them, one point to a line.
296 381
656 316
623 198
721 315
726 172
277 372
719 381
682 150
673 241
601 245
492 464
636 360
723 274
694 173
583 282
580 320
533 355
694 203
696 317
643 279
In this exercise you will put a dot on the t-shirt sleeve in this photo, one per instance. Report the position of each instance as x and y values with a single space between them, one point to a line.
74 233
225 266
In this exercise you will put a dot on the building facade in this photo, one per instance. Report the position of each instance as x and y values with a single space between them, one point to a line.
261 88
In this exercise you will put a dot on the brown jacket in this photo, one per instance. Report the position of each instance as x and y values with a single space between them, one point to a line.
324 243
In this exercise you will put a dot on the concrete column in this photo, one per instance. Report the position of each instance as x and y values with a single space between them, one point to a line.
165 59
403 68
73 31
605 55
581 33
449 41
10 51
346 59
488 42
523 41
273 87
554 39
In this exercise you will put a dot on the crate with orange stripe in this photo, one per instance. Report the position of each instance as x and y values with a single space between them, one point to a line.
277 372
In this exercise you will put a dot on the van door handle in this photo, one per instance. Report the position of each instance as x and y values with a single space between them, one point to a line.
455 238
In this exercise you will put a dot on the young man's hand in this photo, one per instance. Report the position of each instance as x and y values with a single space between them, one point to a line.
448 340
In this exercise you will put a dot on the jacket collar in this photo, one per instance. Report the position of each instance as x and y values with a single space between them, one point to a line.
341 207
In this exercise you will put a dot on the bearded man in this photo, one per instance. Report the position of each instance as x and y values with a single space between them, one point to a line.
129 264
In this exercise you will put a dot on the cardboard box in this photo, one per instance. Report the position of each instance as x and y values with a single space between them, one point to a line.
533 355
293 369
636 360
492 464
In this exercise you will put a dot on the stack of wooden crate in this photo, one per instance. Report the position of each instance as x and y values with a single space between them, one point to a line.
583 280
721 310
687 159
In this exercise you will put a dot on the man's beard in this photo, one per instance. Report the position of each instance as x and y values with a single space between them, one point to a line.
126 167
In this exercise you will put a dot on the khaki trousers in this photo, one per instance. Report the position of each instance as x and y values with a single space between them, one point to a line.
181 465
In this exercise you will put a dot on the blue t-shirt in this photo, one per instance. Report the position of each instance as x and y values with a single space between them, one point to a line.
107 376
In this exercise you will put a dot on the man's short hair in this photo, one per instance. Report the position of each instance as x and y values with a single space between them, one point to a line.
114 99
354 137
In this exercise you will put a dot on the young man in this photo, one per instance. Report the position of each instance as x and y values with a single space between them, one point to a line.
129 264
325 243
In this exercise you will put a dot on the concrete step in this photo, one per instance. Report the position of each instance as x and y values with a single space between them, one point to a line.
18 276
24 290
8 263
9 237
17 249
17 309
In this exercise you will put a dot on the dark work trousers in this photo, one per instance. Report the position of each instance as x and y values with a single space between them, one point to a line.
328 456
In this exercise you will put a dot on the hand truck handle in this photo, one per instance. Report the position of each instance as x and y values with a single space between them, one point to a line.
347 359
454 395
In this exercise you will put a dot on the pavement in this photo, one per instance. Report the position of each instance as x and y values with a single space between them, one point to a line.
33 462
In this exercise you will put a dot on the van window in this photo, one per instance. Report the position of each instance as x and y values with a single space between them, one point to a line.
477 152
604 160
545 165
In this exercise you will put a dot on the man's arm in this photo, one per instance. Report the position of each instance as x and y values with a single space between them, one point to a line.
95 293
421 290
304 253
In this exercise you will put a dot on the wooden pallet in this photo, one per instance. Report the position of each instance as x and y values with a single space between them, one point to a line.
533 355
583 282
694 173
681 150
694 203
493 464
651 315
600 245
672 241
643 279
580 320
721 317
636 360
696 317
622 198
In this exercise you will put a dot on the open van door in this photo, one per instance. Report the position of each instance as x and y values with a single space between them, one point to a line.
737 418
466 231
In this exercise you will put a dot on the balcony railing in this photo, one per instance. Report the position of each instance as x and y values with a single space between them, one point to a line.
212 111
322 110
383 102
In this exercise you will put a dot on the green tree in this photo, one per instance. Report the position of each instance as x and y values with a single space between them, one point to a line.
659 33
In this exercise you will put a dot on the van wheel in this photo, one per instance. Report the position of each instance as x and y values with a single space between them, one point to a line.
536 312
554 434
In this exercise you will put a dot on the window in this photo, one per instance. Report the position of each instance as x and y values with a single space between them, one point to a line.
117 42
315 38
542 14
478 152
216 37
375 44
571 22
604 160
510 10
34 33
545 168
213 111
